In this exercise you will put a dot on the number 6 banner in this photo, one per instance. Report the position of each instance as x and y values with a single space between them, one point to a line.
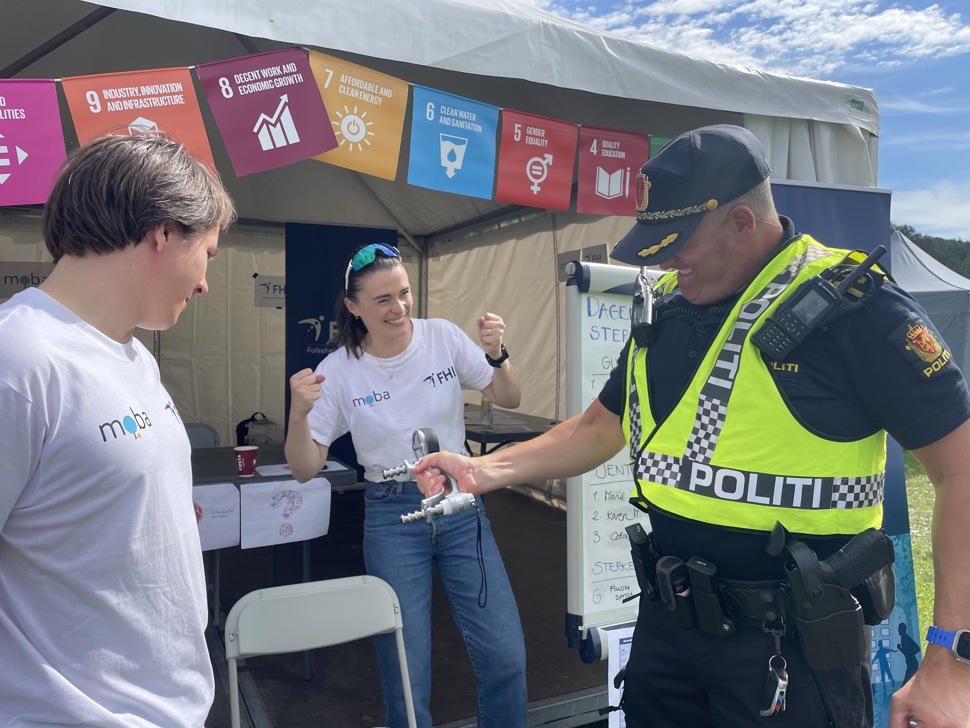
161 100
268 109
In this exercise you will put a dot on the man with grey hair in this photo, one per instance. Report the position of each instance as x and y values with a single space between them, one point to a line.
754 409
102 589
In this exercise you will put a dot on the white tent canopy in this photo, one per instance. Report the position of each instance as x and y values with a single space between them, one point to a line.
493 51
944 295
467 251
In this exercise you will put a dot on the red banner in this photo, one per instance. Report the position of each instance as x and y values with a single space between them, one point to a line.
535 162
608 164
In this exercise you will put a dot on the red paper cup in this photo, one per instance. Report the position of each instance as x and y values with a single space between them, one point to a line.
246 460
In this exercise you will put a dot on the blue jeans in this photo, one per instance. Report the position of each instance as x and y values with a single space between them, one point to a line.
401 555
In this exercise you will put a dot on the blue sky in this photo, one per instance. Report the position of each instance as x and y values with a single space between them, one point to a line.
915 55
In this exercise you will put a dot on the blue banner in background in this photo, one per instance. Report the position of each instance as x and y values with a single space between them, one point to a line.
452 144
854 218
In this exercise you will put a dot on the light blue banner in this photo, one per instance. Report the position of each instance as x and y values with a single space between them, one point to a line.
452 144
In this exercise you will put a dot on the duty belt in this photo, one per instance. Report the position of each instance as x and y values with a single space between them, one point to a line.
698 598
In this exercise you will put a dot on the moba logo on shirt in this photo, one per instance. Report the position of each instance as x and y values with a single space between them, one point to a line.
371 399
134 424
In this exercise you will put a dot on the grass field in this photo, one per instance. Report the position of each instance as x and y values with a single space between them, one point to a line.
919 494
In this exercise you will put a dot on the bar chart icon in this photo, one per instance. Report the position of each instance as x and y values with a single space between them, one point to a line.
279 130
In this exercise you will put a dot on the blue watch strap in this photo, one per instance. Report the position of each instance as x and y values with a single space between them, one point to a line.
940 637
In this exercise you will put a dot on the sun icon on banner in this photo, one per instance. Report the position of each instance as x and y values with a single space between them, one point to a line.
352 128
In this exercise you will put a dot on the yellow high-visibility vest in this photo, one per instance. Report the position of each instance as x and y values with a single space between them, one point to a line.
732 453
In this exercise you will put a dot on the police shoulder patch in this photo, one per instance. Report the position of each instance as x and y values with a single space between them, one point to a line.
921 345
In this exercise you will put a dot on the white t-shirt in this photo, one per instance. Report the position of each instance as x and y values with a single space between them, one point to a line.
383 401
102 588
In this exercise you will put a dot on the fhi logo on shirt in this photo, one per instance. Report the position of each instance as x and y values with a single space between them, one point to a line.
132 424
371 399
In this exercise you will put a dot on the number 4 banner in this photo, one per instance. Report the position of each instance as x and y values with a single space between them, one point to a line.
268 109
608 165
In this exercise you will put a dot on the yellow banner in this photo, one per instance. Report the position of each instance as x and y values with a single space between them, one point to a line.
366 111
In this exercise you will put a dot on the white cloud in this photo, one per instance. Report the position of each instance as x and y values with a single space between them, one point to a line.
941 210
800 37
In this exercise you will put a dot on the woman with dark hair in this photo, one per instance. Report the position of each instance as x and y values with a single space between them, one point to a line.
392 375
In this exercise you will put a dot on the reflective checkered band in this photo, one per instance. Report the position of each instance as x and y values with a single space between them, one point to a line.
636 425
707 424
656 468
759 489
858 492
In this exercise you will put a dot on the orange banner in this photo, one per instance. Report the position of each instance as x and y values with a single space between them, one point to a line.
134 102
366 112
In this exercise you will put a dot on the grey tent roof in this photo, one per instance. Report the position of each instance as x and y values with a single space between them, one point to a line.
944 294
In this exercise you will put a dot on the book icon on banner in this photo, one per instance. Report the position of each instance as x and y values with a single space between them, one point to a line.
452 153
277 130
612 185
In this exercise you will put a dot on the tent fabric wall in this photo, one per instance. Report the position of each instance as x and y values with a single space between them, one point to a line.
513 269
944 294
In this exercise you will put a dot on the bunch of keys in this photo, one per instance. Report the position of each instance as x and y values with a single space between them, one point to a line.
776 686
449 500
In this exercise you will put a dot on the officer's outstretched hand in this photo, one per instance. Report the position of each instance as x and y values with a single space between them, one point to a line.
462 469
938 696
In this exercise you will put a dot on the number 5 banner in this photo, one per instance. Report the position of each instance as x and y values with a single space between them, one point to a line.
535 161
161 100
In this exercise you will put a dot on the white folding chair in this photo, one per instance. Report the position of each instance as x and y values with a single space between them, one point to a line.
314 614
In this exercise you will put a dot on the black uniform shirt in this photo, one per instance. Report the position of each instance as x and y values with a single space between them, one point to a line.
857 376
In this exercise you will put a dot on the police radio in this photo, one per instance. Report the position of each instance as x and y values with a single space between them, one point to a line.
809 307
643 329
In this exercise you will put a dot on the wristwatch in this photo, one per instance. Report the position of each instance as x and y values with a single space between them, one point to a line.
957 642
497 362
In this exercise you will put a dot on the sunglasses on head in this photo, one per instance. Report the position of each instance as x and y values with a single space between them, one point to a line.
365 256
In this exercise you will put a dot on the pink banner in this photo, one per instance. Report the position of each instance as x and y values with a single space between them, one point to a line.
268 108
31 140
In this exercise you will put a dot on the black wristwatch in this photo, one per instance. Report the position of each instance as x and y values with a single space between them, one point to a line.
957 642
497 362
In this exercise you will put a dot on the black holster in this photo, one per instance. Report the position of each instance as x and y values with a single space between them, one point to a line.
822 595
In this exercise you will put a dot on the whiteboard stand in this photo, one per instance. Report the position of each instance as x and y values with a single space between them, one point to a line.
599 570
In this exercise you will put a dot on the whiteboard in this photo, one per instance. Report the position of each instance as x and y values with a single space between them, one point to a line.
599 571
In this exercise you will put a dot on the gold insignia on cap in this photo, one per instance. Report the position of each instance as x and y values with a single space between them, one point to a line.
642 192
659 246
682 212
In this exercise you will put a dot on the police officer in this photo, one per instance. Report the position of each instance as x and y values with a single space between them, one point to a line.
729 438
